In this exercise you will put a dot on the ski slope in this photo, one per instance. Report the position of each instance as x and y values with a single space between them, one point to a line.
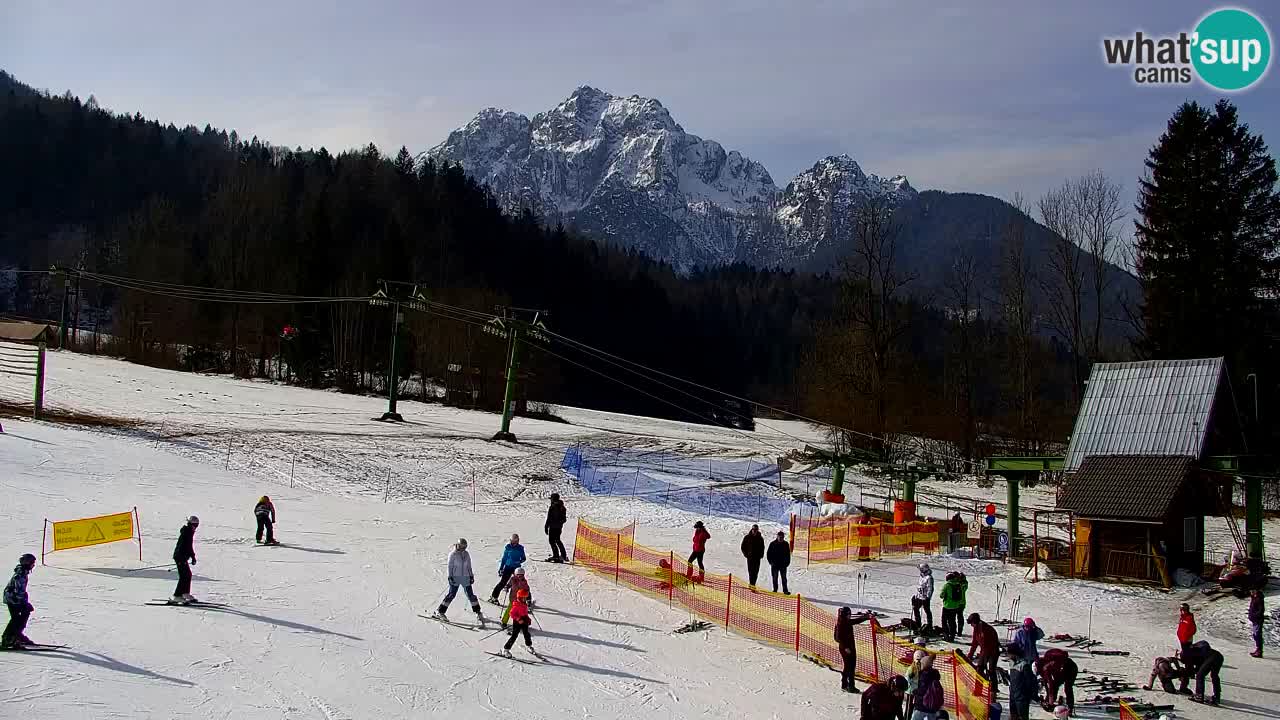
327 626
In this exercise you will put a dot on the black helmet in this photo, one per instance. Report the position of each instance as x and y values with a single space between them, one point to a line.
27 559
845 611
898 683
555 496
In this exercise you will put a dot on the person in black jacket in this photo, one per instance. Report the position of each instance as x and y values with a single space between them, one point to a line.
265 513
184 552
845 621
753 551
555 523
779 557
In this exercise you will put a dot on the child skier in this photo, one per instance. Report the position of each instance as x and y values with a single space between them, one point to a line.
520 621
183 553
265 512
15 598
512 558
517 585
460 576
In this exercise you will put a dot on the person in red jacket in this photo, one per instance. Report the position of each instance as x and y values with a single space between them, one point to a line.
1186 627
1058 671
700 538
520 621
986 642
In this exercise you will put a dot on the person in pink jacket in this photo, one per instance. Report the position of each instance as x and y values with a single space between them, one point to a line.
700 538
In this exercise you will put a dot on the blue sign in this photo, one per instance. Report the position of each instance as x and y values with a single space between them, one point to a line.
991 520
1002 542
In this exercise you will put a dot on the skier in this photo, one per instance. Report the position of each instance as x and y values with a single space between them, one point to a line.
964 592
753 551
520 621
883 701
1257 613
460 575
779 557
1167 669
265 512
700 538
848 648
512 558
1026 638
184 556
518 582
929 694
1186 627
1022 684
556 516
952 602
20 609
1058 670
987 644
924 594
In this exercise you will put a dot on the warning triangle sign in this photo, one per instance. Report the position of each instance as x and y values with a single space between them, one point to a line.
95 533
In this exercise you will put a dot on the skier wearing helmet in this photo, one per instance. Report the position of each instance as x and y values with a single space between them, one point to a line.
520 621
518 583
923 596
460 576
265 512
512 558
1026 638
184 556
20 609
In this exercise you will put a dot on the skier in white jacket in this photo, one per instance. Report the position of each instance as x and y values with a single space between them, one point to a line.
460 575
923 596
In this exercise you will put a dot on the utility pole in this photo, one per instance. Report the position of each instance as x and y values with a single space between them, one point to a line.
62 320
512 329
396 295
1253 377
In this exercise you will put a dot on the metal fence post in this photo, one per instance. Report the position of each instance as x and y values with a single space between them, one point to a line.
728 602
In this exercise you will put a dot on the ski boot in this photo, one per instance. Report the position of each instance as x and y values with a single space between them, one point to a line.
506 653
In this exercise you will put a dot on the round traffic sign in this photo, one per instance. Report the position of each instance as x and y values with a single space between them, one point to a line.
991 520
991 508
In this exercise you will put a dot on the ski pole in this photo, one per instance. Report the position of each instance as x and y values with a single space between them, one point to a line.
495 632
152 567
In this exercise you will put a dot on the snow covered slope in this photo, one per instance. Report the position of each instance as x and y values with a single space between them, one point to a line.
621 168
327 626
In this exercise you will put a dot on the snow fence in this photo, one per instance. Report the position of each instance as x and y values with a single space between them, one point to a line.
787 621
840 539
739 489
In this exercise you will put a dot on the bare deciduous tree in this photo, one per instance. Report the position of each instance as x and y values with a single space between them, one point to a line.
1018 310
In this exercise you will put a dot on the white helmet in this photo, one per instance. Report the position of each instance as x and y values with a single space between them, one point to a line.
193 520
918 655
520 571
1062 711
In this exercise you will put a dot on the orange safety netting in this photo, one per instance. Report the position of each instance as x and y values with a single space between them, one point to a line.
842 539
1128 713
787 621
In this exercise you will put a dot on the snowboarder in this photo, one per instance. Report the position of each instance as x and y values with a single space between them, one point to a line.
184 556
512 558
987 644
518 582
265 512
1022 684
929 693
883 701
952 595
1257 614
779 557
460 576
20 609
700 538
1186 627
521 618
848 648
1025 639
923 596
753 551
1167 669
1058 670
556 516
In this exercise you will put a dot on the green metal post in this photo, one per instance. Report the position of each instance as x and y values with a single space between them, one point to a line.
508 398
393 385
909 487
837 479
1253 515
39 398
1012 480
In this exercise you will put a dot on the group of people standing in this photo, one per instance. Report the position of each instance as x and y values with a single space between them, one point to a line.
778 555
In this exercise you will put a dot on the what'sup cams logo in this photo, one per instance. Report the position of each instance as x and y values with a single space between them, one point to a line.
1229 50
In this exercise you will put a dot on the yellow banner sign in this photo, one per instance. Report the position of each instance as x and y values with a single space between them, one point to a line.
92 531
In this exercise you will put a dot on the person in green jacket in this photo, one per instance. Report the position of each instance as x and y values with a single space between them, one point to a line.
953 604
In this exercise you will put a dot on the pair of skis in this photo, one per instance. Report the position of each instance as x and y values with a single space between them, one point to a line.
477 628
192 604
34 647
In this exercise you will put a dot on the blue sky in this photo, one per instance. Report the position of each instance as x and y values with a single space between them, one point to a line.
992 97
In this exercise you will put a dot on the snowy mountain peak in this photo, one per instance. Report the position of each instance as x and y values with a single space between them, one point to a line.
622 169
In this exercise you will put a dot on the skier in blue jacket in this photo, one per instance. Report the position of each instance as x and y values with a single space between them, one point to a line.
512 558
1025 639
15 598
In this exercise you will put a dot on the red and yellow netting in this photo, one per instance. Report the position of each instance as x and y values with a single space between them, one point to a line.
844 539
787 621
1128 713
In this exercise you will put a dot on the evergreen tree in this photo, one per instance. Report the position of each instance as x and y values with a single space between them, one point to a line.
1207 240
